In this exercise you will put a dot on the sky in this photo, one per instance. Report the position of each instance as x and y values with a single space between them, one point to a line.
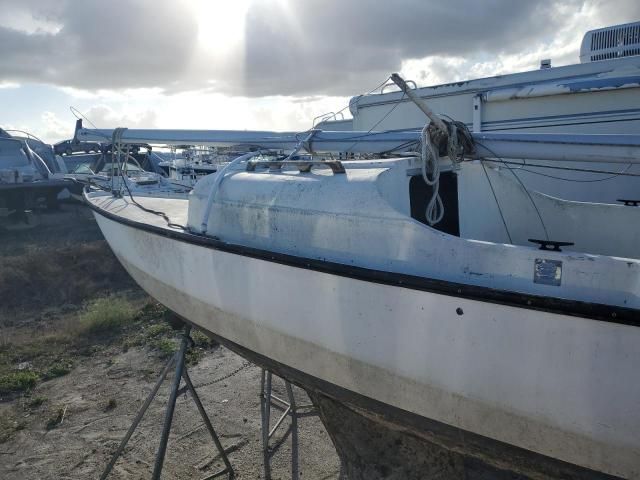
261 64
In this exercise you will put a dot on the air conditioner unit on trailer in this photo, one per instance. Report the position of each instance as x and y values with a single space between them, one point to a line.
611 42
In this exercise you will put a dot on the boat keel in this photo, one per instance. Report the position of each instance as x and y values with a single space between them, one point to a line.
375 450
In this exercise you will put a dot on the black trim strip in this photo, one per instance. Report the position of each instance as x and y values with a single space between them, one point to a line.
594 311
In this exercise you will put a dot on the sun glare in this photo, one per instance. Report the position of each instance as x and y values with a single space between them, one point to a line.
220 22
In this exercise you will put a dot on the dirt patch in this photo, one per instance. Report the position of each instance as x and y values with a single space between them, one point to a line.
99 399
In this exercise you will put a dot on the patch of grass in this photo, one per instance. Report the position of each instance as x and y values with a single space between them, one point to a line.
165 346
203 341
134 341
50 346
56 370
151 311
193 356
105 315
158 329
157 335
102 323
36 402
18 381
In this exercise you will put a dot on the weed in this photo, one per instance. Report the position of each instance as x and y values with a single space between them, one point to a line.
165 346
55 420
193 356
105 315
135 341
151 311
18 381
36 352
201 340
111 404
35 402
201 343
157 329
58 369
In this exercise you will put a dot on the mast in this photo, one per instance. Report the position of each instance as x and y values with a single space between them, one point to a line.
540 146
320 141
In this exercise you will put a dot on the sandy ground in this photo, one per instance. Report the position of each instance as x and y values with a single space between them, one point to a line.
80 446
100 396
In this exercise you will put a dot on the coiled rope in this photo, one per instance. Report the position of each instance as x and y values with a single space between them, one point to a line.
429 139
431 176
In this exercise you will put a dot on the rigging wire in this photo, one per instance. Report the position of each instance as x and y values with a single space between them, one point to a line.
621 173
526 191
384 117
117 146
159 213
576 180
504 222
79 115
379 86
91 183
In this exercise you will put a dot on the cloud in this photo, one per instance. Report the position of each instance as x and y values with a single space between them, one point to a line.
99 45
562 47
103 116
285 47
331 46
53 129
336 47
32 16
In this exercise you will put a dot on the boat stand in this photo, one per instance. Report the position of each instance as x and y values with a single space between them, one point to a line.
289 409
180 373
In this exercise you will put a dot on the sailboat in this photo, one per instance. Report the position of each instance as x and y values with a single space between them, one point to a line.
447 321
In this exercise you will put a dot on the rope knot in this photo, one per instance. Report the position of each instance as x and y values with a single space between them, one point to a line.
455 143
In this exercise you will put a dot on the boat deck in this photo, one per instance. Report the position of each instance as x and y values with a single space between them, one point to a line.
175 209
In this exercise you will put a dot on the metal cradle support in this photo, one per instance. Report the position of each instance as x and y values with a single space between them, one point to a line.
180 373
288 408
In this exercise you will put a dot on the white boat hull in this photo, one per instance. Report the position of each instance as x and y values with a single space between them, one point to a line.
558 385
